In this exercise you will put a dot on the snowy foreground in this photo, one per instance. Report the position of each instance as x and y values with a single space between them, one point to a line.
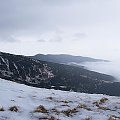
21 102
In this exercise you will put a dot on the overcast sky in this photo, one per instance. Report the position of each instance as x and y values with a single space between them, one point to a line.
77 27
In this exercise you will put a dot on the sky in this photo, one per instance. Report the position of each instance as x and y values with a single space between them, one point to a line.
76 27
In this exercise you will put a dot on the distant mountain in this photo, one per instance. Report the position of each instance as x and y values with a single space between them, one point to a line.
53 75
65 59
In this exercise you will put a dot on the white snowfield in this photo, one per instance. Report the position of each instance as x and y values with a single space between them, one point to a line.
21 102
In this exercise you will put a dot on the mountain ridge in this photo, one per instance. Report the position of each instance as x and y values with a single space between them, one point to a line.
65 58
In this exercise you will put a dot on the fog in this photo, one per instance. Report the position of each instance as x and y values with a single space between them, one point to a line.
110 68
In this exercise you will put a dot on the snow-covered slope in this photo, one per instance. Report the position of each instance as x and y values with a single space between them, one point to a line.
21 102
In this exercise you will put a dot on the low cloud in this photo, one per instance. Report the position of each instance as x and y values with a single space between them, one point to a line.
54 36
41 40
7 38
56 39
79 36
110 68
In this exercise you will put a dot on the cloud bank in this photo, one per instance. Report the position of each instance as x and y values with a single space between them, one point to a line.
110 68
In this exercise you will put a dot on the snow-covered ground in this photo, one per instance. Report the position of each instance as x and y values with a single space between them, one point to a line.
21 102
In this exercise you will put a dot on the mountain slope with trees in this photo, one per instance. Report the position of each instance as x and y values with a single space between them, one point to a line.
53 75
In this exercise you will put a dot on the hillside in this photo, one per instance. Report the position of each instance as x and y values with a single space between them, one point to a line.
20 102
44 74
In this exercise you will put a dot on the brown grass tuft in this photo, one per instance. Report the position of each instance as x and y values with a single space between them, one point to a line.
103 108
14 109
69 112
113 117
2 109
50 98
88 118
48 118
55 111
41 109
52 118
84 107
103 100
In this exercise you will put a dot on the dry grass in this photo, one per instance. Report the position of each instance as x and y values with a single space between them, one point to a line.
12 100
52 118
48 118
34 96
20 97
69 112
14 109
65 105
113 117
50 98
88 118
65 101
103 100
84 107
103 108
2 109
41 109
98 104
55 111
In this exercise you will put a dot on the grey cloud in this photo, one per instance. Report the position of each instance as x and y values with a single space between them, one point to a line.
31 16
97 21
